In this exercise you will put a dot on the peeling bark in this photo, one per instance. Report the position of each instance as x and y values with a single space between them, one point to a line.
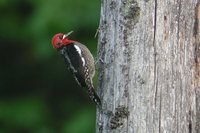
149 66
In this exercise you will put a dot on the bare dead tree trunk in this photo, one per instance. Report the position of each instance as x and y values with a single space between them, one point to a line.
149 68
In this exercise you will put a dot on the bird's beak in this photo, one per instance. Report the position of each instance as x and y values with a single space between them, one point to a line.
66 35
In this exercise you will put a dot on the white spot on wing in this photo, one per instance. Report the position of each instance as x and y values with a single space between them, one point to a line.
80 53
78 49
83 61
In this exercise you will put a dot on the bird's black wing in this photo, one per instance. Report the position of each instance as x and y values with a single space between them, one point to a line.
74 61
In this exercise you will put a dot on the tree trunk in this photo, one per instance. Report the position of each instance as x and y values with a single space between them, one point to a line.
149 66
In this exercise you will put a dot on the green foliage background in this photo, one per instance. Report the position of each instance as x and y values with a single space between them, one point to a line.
37 93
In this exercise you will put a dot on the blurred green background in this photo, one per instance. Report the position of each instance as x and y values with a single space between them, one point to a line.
37 93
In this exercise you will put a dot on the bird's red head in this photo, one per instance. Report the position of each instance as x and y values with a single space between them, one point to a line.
60 40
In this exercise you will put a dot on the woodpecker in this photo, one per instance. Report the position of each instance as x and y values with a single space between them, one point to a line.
79 61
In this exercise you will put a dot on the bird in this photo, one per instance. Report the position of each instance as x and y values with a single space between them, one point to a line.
79 61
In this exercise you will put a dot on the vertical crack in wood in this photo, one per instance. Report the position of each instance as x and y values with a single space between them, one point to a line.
155 66
197 65
190 121
197 126
176 110
114 61
197 42
179 15
160 111
155 54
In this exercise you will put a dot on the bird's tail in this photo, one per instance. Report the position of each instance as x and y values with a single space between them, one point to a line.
90 89
93 96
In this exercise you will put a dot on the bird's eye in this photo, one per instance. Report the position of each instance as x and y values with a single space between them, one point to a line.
58 44
60 37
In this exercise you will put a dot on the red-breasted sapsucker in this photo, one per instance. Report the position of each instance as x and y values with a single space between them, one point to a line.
79 61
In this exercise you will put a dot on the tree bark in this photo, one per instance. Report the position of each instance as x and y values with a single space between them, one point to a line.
149 66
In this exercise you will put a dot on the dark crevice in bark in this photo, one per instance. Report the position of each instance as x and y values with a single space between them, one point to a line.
181 100
190 122
197 127
179 15
177 122
114 65
160 111
155 53
197 64
195 28
155 64
195 34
